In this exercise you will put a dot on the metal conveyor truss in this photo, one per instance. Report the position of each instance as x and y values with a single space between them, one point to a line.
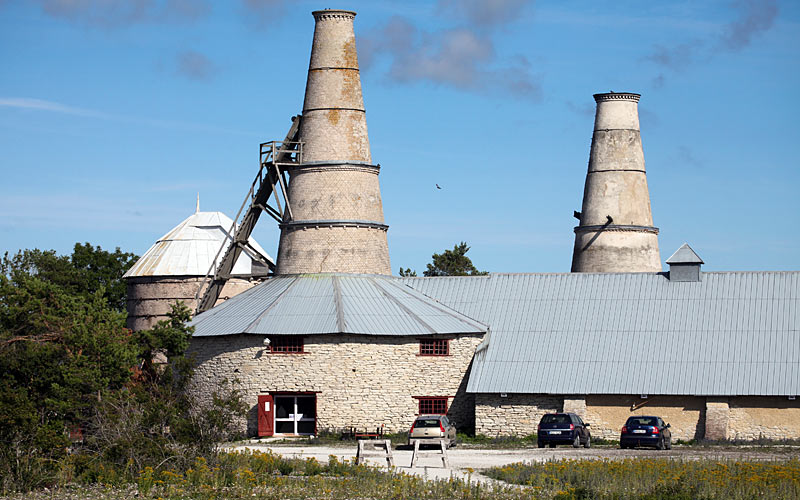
274 158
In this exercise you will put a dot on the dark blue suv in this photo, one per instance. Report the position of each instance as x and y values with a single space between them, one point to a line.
644 430
563 428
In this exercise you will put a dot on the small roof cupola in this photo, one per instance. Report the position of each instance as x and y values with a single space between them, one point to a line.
684 264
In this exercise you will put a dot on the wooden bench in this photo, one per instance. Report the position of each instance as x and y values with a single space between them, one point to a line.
375 448
442 451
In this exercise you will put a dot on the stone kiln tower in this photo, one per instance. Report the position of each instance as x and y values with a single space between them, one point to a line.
337 215
616 232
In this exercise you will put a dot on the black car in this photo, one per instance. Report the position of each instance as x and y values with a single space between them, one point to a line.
563 428
645 431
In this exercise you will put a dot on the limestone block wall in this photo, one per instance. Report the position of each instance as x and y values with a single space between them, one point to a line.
514 415
767 417
717 417
342 249
327 192
334 125
690 417
150 298
359 381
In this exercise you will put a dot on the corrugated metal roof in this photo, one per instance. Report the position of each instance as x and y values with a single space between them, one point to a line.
190 247
732 333
332 303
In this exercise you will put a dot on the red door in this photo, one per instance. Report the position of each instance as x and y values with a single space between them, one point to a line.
266 421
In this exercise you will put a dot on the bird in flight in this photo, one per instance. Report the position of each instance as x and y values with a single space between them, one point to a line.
438 187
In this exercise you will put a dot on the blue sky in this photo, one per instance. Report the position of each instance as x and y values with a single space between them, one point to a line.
115 114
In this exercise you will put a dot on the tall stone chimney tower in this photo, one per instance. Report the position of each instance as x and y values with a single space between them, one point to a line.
337 214
616 232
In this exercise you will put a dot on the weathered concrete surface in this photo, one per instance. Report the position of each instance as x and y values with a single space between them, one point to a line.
338 223
616 187
608 414
717 417
150 298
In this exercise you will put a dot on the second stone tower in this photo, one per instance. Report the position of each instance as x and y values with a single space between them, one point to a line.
616 232
337 214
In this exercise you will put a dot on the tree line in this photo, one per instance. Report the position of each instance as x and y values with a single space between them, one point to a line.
78 390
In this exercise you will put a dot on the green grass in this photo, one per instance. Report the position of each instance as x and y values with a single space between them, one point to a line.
248 475
328 438
265 475
655 479
529 441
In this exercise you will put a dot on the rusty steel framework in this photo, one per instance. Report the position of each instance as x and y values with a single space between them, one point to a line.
274 158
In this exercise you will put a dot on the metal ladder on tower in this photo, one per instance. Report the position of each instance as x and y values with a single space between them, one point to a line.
273 156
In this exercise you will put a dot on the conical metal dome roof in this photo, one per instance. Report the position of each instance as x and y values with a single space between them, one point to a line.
190 247
361 304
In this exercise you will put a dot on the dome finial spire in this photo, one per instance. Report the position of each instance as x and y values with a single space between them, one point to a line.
197 209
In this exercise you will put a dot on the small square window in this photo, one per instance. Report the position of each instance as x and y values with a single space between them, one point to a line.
432 406
434 347
286 344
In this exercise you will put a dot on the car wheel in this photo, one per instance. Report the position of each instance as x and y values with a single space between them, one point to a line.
588 443
577 442
669 443
623 446
660 444
541 444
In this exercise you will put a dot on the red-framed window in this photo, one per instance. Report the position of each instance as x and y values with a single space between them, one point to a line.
432 405
434 347
286 344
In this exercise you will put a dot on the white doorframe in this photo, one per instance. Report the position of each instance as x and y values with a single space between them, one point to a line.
294 416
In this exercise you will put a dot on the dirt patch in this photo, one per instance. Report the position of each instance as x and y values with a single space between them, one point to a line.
333 116
349 54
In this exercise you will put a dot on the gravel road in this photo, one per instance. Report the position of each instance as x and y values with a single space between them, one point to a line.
467 462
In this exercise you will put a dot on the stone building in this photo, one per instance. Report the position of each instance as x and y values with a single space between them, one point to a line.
334 351
716 354
332 341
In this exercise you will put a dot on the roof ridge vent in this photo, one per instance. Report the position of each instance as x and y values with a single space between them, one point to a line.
684 264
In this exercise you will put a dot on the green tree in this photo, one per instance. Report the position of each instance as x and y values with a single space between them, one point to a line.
407 272
156 420
59 353
453 263
88 270
68 363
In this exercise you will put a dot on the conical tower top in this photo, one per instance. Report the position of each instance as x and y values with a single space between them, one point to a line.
616 232
335 196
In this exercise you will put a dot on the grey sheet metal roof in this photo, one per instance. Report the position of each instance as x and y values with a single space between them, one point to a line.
685 255
732 333
190 247
332 303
